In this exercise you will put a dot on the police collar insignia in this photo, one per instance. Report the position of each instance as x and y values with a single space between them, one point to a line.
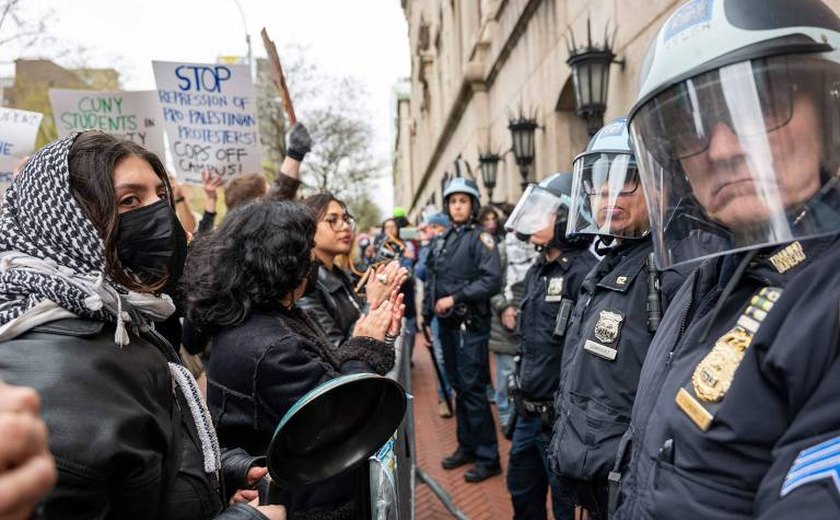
788 258
813 464
487 240
713 376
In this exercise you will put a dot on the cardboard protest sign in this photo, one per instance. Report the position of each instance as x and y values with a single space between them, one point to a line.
210 115
132 115
18 131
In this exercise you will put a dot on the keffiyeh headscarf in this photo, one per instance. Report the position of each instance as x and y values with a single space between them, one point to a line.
52 265
52 257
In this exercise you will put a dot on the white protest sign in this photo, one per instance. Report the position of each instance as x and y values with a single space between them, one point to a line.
210 115
18 131
132 115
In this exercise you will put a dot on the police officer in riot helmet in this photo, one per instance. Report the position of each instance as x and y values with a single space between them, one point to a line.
550 288
617 310
737 131
464 272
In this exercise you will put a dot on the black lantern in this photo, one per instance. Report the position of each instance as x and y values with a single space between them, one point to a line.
522 134
488 163
591 77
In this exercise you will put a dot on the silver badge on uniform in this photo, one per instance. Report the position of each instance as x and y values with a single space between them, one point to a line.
555 290
608 327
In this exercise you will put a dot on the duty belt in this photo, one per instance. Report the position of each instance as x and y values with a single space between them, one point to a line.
538 407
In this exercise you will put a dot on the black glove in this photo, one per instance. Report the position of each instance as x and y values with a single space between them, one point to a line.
235 466
299 142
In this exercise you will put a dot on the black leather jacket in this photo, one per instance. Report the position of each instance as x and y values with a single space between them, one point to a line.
333 305
261 368
121 444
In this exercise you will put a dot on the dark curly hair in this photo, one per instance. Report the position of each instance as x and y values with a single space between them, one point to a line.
259 254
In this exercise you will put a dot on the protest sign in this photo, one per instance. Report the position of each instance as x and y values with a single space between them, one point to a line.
18 131
209 111
132 115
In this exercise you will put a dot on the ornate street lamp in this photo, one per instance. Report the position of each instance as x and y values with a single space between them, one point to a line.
522 134
488 164
591 77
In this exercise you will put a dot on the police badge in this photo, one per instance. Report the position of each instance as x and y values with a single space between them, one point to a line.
608 327
554 293
607 330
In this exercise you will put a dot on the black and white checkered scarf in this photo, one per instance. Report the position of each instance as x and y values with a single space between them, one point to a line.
52 266
52 259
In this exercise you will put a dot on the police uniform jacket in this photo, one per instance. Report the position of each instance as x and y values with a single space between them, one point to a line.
605 347
746 423
464 263
547 285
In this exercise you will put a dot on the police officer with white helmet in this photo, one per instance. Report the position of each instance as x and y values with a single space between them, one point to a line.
737 135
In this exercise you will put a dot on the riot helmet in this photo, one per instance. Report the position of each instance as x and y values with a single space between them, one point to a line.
607 198
466 186
737 126
543 205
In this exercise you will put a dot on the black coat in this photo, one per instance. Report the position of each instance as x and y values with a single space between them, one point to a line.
122 446
546 286
463 263
606 344
333 304
261 368
730 457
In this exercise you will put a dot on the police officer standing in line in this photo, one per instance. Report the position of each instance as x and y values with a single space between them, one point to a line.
464 272
613 322
549 291
737 130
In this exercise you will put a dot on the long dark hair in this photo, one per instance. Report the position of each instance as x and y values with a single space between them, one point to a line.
91 162
259 254
319 203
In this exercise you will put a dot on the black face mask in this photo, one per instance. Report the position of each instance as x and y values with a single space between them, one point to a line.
152 243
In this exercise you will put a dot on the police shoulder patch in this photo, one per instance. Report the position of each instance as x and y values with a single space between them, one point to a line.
488 241
820 462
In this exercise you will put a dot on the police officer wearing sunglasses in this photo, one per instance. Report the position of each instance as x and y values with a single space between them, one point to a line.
737 133
615 316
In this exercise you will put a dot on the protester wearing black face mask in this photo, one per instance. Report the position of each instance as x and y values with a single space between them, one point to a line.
128 429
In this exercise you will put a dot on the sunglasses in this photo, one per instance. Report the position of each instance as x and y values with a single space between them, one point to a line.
751 98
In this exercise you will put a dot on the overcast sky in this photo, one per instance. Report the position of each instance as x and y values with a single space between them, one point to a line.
363 38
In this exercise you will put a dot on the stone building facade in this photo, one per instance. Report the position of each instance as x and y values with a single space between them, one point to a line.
477 63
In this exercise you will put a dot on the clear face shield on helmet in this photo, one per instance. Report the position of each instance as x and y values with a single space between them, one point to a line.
741 157
535 211
607 196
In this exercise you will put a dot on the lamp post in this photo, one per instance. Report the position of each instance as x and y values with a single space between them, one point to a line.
252 66
591 77
488 164
522 134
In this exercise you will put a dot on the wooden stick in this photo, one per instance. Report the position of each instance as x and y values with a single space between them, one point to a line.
278 77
